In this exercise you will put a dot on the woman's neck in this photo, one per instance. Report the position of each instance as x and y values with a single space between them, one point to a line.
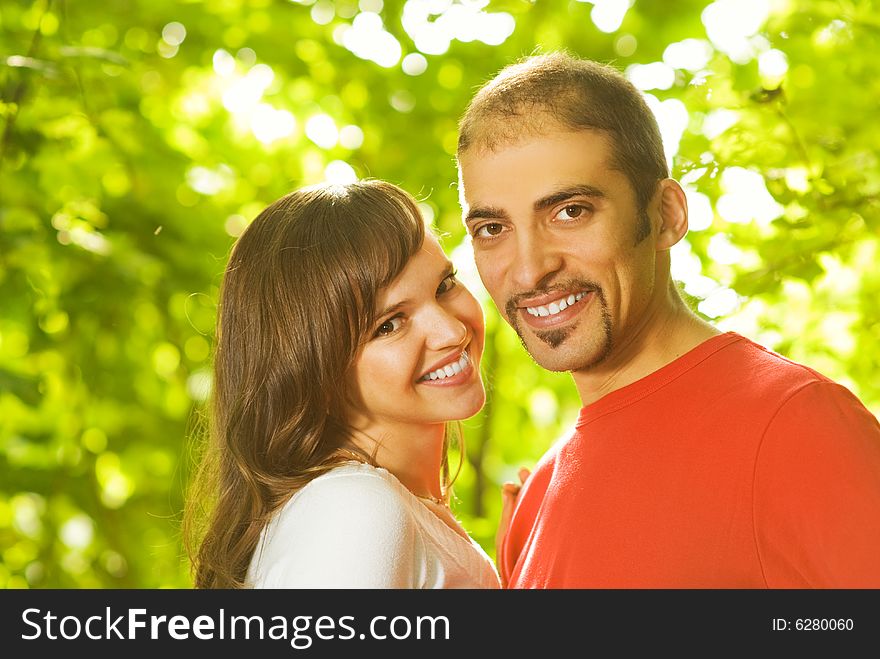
414 454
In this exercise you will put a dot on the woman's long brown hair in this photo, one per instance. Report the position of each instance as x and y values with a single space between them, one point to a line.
297 299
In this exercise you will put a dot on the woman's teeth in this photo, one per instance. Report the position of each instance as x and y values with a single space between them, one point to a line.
449 370
554 308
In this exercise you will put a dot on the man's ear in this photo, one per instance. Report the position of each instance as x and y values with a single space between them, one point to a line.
673 213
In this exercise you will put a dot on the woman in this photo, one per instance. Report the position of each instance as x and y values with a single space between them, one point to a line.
344 347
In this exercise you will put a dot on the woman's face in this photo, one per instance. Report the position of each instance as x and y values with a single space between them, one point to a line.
421 362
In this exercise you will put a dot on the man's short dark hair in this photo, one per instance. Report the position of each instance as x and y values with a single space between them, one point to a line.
532 95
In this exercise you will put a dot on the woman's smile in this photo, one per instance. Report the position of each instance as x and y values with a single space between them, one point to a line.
451 372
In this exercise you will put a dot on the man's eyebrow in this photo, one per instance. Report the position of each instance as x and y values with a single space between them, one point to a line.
493 213
567 193
485 213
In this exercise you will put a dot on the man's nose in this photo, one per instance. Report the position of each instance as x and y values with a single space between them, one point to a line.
535 259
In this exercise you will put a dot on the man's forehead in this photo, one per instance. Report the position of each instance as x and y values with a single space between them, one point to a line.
499 142
582 149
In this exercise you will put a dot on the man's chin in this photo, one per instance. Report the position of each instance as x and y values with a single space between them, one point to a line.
562 358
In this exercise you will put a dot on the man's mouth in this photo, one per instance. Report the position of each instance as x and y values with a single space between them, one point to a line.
556 306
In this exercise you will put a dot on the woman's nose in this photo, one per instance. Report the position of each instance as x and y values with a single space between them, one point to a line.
445 329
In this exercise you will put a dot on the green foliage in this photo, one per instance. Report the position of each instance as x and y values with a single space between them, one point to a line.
130 158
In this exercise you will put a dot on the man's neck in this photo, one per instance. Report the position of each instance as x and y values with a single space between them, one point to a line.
669 330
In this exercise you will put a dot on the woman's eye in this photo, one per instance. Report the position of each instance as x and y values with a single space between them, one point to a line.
449 282
389 326
488 230
570 212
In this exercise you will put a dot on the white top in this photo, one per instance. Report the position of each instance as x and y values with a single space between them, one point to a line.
357 526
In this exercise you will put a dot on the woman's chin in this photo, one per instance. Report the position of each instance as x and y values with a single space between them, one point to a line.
471 404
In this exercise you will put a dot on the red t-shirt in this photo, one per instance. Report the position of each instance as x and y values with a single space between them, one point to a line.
731 467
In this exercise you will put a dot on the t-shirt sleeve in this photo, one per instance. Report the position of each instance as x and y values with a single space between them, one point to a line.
349 531
817 492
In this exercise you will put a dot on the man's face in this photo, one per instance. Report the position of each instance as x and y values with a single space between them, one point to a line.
554 231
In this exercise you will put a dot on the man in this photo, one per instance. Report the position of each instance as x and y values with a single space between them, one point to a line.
699 459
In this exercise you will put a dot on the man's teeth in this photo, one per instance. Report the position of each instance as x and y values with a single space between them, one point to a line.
449 370
555 307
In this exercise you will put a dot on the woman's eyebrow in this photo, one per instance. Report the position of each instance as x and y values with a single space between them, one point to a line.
392 309
448 269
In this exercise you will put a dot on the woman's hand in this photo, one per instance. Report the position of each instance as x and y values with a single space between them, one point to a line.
509 494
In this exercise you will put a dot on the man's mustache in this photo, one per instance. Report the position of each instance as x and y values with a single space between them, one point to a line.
580 285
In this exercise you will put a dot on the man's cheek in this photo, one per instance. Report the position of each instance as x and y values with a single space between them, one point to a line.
489 273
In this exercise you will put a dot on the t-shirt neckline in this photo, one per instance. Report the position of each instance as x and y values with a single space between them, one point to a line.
637 390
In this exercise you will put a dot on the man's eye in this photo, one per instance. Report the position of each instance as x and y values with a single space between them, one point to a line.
449 282
488 230
571 212
389 326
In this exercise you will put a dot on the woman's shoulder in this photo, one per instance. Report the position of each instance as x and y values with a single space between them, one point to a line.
348 527
354 478
354 471
351 492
